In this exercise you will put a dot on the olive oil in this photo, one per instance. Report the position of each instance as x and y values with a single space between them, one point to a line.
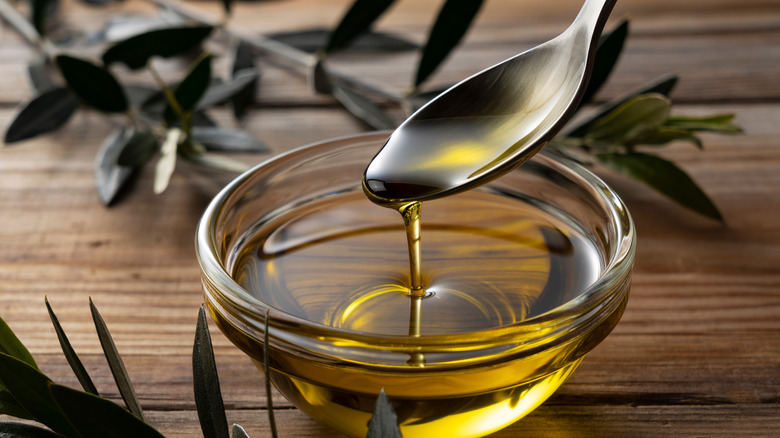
489 260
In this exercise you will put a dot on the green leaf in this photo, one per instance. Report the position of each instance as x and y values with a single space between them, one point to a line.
222 92
607 54
665 177
227 5
116 364
45 113
311 40
166 163
721 123
239 432
662 86
30 388
243 64
70 354
358 19
110 177
453 21
362 107
665 134
218 139
12 346
41 10
192 87
208 398
93 84
136 51
634 118
10 406
139 149
95 417
267 374
384 423
20 430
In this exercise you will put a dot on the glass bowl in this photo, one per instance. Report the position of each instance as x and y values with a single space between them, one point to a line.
483 358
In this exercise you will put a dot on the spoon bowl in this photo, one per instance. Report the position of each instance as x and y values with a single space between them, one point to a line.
490 123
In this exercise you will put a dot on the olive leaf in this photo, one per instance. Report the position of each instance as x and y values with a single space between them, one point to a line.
238 432
43 114
222 92
634 118
12 346
384 422
362 107
244 63
320 79
110 177
311 40
70 354
191 88
30 388
93 84
665 134
10 406
607 53
139 149
208 398
663 176
358 19
166 163
137 50
10 429
227 5
721 123
219 139
41 10
115 363
663 86
95 417
451 24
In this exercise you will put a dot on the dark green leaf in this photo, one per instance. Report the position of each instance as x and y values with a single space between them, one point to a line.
38 72
208 398
665 134
607 54
116 364
384 423
244 62
136 51
721 123
20 430
266 373
45 113
95 417
662 86
70 354
110 177
358 19
665 177
451 25
139 149
222 92
30 388
226 4
311 40
362 107
12 346
93 84
41 10
10 406
239 432
218 139
192 87
634 118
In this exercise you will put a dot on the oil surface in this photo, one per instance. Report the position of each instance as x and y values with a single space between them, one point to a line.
487 262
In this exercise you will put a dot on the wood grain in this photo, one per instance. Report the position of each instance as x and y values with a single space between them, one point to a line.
697 352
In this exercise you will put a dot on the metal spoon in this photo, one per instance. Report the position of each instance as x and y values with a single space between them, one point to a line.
491 122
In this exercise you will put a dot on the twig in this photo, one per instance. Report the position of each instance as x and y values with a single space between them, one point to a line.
269 46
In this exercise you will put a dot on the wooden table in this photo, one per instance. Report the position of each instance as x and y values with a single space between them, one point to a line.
697 352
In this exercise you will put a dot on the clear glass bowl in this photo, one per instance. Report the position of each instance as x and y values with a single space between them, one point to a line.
472 383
